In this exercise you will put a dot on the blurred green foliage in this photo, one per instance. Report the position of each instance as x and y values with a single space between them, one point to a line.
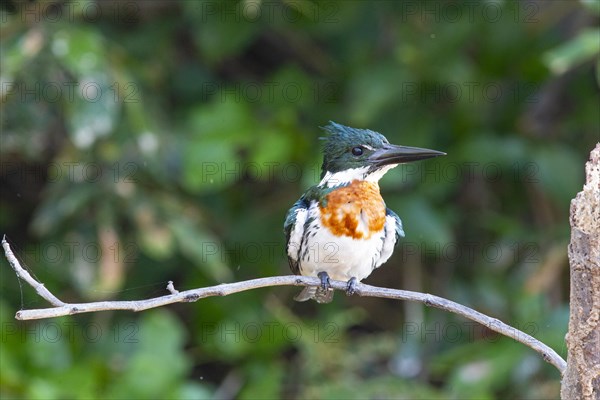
151 141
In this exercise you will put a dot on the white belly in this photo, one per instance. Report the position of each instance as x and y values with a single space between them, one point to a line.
342 257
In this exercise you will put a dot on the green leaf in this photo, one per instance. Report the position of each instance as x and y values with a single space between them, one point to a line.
270 155
218 132
42 389
582 48
486 148
192 391
47 348
14 54
223 29
158 362
487 369
592 5
372 90
92 111
383 386
153 234
58 207
422 223
203 248
261 387
80 48
561 172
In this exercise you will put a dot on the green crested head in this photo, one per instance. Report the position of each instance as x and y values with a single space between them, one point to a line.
363 154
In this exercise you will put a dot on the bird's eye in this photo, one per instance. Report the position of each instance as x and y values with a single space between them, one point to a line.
357 151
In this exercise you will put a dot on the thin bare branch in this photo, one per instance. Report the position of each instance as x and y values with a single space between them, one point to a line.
23 274
61 309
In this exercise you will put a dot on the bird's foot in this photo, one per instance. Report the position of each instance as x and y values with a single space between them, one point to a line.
351 288
324 277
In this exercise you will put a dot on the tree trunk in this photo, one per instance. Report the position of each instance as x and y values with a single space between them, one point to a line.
582 377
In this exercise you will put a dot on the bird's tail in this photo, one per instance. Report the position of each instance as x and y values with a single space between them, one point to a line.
317 293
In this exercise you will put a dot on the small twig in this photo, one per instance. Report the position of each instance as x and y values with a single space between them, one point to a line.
171 288
61 309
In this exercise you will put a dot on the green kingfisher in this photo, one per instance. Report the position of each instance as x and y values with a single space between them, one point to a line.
341 228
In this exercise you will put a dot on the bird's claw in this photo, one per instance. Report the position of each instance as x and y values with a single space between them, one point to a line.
351 288
324 277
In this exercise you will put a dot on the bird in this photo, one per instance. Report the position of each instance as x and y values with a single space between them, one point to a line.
341 228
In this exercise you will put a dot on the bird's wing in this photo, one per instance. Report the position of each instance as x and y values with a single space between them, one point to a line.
397 223
293 228
393 233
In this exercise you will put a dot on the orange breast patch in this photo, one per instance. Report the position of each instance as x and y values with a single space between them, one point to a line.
356 210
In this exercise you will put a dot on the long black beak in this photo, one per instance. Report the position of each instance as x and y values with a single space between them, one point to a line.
393 154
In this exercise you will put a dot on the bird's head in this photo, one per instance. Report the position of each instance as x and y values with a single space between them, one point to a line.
363 154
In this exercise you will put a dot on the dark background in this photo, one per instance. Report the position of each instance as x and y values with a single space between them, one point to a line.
148 141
